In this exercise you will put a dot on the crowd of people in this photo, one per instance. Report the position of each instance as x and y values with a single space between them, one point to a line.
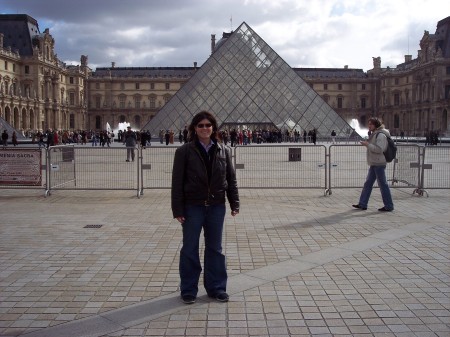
246 136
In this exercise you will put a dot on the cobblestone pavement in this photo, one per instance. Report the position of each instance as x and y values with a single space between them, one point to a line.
299 264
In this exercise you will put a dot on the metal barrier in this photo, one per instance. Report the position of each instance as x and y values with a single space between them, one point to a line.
348 167
156 167
406 167
281 166
296 166
23 168
435 169
91 168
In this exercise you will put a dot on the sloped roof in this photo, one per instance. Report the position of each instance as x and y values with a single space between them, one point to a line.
18 31
148 72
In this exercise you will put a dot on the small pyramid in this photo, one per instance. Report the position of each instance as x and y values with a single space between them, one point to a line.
245 84
4 125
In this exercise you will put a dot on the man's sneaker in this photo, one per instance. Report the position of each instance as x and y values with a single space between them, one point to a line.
384 209
221 297
188 299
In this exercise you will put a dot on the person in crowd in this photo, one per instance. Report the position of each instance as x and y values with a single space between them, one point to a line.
376 145
185 134
5 137
203 177
14 138
41 142
94 138
130 140
333 137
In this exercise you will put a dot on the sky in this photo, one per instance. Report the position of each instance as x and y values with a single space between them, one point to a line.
177 33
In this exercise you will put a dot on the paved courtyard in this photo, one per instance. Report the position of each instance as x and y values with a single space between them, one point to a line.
105 263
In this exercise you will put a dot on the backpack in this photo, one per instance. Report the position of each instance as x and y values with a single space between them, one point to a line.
391 150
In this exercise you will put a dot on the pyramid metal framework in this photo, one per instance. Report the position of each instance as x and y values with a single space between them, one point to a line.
4 125
245 84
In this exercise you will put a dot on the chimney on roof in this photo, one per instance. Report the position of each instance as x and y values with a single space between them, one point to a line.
195 64
113 64
1 40
408 58
213 42
346 67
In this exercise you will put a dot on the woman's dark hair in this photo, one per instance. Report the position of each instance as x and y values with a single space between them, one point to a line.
375 121
197 119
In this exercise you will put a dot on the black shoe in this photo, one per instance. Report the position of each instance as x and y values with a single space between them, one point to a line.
221 297
360 207
188 299
384 209
127 160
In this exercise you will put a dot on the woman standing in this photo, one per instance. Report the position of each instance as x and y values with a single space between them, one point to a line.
203 177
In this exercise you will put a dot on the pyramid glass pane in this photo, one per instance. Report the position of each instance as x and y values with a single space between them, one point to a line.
246 84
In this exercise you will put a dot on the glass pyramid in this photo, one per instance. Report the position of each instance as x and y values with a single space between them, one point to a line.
245 84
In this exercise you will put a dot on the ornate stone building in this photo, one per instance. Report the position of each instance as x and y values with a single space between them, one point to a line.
131 95
38 91
413 97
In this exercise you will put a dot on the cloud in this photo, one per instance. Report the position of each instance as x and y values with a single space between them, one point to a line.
317 33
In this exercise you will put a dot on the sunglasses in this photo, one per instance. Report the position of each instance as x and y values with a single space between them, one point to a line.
204 126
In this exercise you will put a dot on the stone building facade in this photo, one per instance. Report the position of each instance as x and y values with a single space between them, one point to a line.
131 94
39 92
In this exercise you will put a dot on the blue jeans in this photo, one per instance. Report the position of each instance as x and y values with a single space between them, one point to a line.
211 219
376 173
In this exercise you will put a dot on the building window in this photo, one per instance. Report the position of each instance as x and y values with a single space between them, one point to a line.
98 100
6 65
14 67
98 122
122 86
97 85
72 121
363 86
396 121
167 86
122 102
27 69
363 102
396 99
137 121
340 102
71 80
152 102
137 102
152 86
448 70
72 98
166 98
396 81
136 86
325 86
339 86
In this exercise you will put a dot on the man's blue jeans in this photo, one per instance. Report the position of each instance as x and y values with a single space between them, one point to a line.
211 219
376 173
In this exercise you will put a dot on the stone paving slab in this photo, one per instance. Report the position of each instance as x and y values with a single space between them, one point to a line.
299 264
